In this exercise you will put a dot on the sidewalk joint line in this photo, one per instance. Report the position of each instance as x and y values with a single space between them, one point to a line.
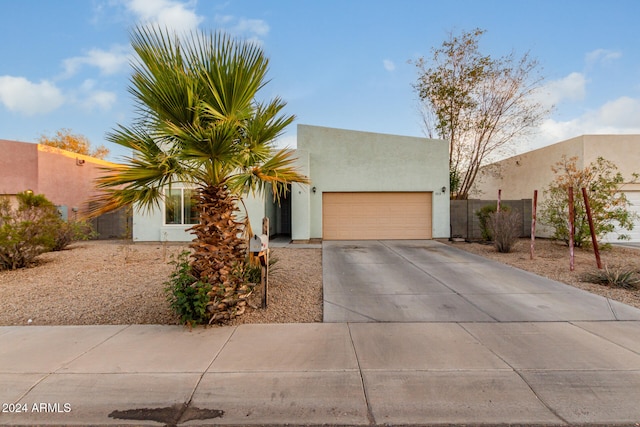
573 323
187 404
370 417
518 373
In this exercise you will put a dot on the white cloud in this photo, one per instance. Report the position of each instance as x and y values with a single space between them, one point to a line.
602 55
620 116
256 27
109 62
23 96
92 98
571 87
171 14
287 141
622 113
251 28
99 99
389 65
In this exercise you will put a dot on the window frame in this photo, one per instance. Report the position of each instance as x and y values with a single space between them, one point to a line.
168 198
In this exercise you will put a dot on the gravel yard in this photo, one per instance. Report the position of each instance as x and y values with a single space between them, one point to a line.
108 282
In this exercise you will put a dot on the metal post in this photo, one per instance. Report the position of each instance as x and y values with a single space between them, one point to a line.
533 223
499 200
594 240
264 279
571 229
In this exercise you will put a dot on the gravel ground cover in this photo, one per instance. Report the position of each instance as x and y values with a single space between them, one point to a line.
100 283
108 282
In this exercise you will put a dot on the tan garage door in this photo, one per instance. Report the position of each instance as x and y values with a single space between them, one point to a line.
373 216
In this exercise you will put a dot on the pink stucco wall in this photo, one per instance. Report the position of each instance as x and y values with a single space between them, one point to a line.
18 167
64 177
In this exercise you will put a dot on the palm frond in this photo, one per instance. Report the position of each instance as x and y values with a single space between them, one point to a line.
233 73
198 120
276 172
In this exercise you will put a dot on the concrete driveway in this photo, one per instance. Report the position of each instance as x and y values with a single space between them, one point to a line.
428 281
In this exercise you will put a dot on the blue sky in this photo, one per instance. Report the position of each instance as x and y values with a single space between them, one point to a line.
337 63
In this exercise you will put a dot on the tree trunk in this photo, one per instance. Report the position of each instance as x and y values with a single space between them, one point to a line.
219 253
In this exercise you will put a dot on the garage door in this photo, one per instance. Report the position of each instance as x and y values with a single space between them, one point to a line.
634 199
374 216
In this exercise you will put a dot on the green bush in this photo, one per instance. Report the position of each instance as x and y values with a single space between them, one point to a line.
27 230
187 296
33 227
68 232
609 206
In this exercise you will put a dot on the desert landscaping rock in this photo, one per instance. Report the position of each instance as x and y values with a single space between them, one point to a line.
115 282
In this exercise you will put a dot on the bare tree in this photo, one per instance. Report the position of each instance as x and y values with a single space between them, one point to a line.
478 104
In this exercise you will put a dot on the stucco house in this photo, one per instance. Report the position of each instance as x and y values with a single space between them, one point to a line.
64 177
520 175
363 186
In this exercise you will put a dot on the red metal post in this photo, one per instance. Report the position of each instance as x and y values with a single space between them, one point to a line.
594 240
572 214
533 223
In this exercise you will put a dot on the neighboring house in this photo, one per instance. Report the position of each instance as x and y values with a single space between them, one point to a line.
363 186
520 175
64 177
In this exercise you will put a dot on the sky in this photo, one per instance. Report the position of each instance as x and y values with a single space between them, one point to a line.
346 64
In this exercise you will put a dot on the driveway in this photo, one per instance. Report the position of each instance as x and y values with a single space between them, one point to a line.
428 281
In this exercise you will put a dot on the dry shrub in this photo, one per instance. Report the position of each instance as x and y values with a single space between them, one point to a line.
505 228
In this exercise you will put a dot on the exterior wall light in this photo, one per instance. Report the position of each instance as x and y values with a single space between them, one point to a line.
314 190
444 189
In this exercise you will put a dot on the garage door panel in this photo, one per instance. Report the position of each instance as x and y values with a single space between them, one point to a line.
633 196
361 216
634 200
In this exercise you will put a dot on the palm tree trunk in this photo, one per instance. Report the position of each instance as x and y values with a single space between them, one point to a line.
219 252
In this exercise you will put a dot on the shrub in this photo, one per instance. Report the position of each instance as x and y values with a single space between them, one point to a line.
505 227
187 296
608 205
253 270
68 232
614 276
26 231
483 215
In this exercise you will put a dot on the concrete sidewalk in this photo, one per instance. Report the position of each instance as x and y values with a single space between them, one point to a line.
544 373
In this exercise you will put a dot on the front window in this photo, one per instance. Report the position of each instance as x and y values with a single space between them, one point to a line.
181 206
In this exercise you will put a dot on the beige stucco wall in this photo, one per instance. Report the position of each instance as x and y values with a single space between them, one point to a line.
353 161
520 175
622 150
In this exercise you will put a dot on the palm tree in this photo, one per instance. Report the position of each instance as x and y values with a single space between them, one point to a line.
199 122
